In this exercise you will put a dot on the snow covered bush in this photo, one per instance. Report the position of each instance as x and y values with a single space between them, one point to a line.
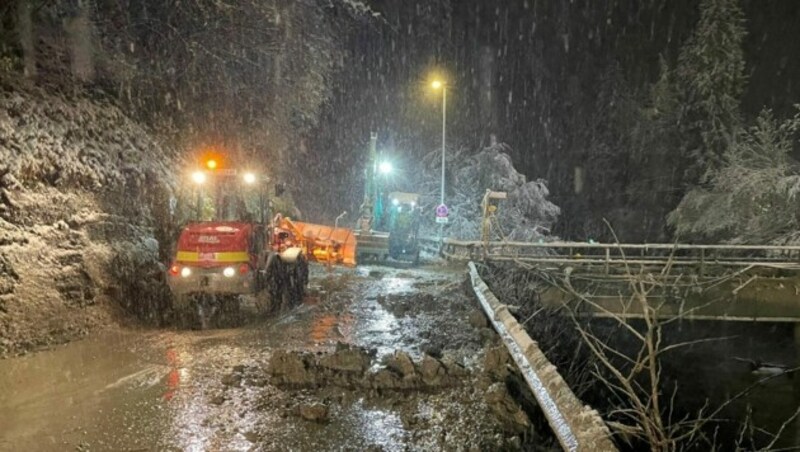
753 198
526 215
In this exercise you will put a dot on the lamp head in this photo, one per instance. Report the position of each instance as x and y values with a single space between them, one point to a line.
385 168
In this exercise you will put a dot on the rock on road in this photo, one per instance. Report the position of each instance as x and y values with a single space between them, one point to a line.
384 359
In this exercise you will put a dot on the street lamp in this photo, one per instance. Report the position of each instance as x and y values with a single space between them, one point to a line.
438 84
385 168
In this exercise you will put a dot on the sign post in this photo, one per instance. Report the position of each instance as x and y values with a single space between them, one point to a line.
441 213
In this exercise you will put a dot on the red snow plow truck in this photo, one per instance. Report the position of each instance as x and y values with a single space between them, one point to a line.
235 245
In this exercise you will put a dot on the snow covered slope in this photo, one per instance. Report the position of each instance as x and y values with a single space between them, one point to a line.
84 210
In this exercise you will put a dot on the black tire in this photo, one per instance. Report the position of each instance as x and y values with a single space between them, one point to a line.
273 282
229 313
298 281
183 310
206 307
263 301
263 293
180 302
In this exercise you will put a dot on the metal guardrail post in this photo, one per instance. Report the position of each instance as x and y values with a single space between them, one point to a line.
702 262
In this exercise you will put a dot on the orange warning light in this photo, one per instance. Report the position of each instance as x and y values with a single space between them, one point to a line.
211 164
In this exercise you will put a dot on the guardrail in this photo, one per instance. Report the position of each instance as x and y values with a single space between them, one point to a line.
430 244
609 255
577 427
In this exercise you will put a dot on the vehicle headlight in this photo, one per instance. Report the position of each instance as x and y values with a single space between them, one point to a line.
229 272
186 272
199 177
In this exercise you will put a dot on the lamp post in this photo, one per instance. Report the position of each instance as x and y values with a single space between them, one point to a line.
384 168
438 84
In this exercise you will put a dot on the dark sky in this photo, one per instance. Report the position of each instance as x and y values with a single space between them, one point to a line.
530 73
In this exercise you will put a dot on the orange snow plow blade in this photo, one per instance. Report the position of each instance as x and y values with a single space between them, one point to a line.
325 244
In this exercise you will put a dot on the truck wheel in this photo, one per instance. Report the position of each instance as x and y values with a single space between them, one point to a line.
180 301
230 310
279 277
263 301
206 308
183 311
299 281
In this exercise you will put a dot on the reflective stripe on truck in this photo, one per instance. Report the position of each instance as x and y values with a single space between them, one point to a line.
191 256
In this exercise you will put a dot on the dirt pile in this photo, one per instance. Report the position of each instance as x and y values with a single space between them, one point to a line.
84 216
352 367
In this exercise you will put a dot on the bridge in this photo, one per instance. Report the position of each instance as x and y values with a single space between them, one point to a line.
700 282
706 282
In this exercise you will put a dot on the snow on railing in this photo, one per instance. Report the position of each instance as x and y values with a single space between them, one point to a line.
577 427
610 254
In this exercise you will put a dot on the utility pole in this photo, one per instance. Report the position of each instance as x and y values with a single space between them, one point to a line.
444 136
438 84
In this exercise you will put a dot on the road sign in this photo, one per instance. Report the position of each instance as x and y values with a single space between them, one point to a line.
442 211
442 220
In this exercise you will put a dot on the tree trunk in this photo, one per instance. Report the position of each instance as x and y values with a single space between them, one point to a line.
80 34
26 38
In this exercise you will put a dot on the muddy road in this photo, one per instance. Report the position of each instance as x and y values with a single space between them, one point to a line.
375 358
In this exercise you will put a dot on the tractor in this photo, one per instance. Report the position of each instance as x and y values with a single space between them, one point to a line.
235 246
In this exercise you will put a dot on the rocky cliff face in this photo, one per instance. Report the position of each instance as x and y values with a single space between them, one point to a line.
84 216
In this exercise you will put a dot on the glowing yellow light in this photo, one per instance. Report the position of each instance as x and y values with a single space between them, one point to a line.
211 164
436 84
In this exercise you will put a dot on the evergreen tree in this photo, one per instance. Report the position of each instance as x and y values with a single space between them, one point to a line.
711 79
755 197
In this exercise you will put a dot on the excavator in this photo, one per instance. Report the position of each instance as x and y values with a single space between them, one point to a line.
387 227
235 245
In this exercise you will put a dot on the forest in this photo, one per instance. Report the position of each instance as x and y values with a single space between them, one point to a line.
672 120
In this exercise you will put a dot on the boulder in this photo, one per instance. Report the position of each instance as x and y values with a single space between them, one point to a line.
401 364
495 363
432 371
316 412
347 359
232 379
478 319
385 379
507 411
290 368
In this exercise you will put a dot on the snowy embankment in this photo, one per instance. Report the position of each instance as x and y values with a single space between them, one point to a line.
84 206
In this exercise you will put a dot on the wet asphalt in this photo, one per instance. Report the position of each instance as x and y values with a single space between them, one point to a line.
138 389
